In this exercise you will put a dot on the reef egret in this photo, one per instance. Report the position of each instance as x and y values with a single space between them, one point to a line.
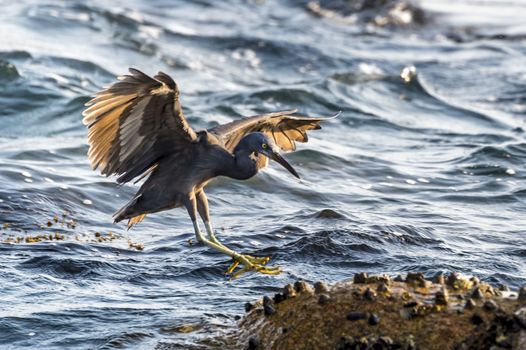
137 129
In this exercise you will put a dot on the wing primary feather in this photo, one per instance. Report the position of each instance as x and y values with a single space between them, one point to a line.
133 123
284 127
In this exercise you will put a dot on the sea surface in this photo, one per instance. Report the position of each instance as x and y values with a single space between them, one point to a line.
423 171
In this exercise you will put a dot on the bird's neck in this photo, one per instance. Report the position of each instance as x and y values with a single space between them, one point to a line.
241 166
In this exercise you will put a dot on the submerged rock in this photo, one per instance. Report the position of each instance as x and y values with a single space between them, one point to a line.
8 72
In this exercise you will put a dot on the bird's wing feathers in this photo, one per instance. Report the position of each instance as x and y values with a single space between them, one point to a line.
133 123
283 127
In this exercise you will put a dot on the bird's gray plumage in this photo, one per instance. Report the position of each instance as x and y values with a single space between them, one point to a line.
137 129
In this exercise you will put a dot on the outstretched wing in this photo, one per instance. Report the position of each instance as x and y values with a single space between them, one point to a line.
283 127
133 123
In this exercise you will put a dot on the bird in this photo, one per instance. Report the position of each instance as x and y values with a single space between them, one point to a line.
137 130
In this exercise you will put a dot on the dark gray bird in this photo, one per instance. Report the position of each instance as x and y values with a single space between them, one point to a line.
137 129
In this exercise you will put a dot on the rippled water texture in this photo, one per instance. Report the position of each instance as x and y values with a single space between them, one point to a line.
425 174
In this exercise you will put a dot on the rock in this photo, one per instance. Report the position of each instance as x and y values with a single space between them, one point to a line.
302 287
476 319
477 293
374 319
268 306
455 281
410 344
504 288
288 291
441 297
521 342
503 342
369 294
361 343
378 279
522 294
386 341
248 306
279 297
470 304
345 343
439 279
520 317
382 287
253 343
416 278
356 316
490 305
484 291
8 72
437 317
411 303
489 291
412 310
399 278
320 287
360 278
324 299
269 310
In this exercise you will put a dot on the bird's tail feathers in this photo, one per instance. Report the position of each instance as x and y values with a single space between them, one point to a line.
128 212
135 220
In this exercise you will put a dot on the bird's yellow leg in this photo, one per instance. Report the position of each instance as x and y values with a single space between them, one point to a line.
254 260
199 203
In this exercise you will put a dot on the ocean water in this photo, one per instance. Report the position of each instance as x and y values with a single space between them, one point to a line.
423 171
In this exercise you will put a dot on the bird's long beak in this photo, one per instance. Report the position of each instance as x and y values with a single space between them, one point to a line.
278 158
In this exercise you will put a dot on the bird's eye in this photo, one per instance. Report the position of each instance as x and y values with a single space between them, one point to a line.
264 146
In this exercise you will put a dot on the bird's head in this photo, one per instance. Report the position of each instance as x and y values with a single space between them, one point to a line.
259 143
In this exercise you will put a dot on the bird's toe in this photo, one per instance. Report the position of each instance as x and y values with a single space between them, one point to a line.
251 263
274 270
232 267
258 260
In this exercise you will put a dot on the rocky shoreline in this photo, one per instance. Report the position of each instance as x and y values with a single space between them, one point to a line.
378 312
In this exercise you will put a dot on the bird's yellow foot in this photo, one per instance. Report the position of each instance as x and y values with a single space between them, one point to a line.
252 260
251 263
276 270
263 260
